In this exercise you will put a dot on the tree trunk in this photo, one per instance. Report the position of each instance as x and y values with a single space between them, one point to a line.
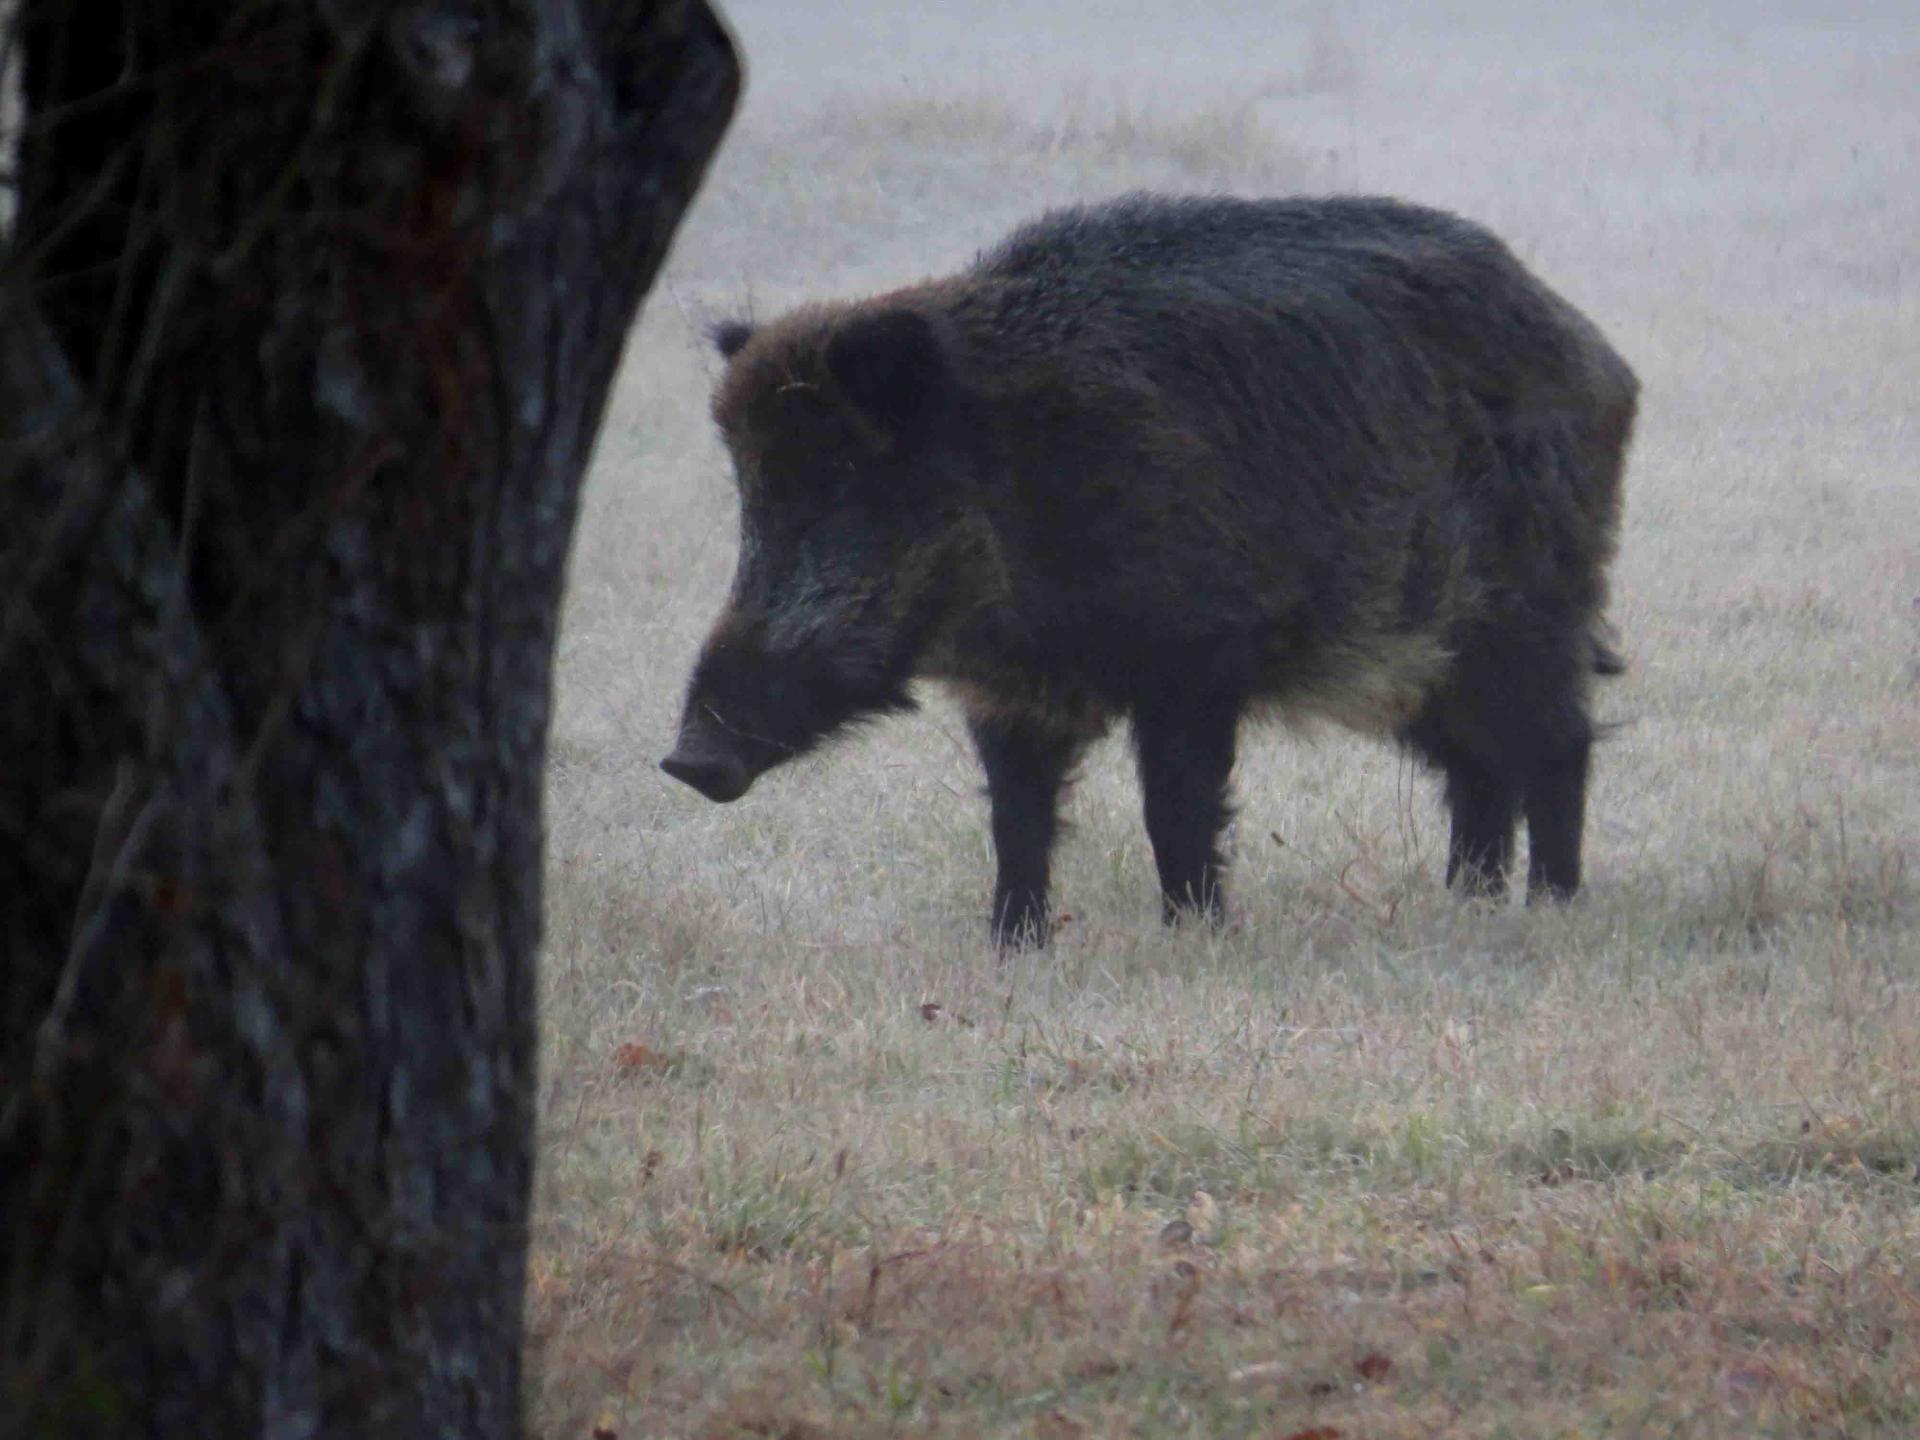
307 321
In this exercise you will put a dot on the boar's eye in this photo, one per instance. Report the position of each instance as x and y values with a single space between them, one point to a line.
730 337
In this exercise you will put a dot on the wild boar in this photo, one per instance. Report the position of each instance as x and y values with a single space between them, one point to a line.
1182 460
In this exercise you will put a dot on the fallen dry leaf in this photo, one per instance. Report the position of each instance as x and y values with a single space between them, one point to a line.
1373 1366
933 1012
637 1055
1318 1432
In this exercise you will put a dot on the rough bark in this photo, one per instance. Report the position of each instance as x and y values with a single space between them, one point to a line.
306 326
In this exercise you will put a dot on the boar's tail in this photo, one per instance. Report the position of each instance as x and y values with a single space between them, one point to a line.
1607 659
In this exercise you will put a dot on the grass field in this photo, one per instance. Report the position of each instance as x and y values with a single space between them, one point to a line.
1370 1163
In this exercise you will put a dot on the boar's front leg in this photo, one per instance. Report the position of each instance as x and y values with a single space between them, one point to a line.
1027 762
1483 795
1556 811
1484 805
1185 745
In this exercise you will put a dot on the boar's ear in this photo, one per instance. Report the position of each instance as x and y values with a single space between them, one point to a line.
894 367
729 335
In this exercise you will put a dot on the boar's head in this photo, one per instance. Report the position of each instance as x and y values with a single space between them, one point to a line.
849 443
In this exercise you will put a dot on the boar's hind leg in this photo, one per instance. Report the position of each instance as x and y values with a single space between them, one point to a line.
1483 797
1026 764
1185 746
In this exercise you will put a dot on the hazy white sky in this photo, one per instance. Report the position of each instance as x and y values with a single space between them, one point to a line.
798 49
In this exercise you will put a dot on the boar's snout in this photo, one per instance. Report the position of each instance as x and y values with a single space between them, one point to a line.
718 776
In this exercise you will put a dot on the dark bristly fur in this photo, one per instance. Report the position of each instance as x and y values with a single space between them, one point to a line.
1175 459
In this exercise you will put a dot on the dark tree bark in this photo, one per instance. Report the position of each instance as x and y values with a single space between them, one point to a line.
307 320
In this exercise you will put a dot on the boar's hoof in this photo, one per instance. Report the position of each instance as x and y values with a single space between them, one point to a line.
718 777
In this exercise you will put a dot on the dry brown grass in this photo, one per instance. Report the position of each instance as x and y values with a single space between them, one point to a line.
814 1164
